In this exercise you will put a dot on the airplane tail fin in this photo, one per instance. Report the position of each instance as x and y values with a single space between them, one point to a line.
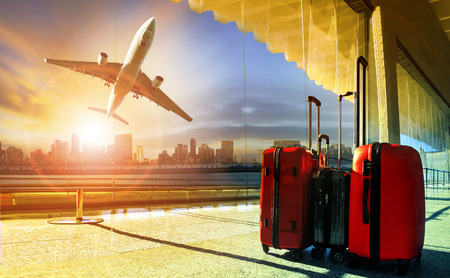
103 111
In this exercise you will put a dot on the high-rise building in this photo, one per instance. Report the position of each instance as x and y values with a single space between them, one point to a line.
186 151
57 152
180 154
139 154
193 152
124 148
227 151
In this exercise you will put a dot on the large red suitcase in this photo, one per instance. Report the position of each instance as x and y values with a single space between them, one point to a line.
286 199
285 205
387 204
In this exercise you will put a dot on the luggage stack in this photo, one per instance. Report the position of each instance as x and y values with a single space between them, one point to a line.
377 210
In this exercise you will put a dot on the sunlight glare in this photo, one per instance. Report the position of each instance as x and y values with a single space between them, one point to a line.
95 133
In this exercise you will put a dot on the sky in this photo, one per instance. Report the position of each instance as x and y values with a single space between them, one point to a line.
232 87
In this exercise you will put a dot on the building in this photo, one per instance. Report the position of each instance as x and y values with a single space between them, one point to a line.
140 154
123 148
227 153
57 153
206 155
14 155
2 154
193 146
180 155
218 155
38 157
164 158
286 143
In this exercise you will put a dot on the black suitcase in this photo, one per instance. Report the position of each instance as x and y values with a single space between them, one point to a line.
330 191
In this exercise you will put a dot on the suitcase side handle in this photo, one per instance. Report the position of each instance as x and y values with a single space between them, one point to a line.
319 148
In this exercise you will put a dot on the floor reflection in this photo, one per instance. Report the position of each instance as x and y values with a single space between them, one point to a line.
140 213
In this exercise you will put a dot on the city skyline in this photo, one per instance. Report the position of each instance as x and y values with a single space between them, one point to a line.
126 151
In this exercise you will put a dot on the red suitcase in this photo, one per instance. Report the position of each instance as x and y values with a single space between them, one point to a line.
285 205
286 199
387 204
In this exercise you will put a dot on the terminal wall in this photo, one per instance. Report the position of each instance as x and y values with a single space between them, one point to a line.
416 27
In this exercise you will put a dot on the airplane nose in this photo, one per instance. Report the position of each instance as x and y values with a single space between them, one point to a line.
152 24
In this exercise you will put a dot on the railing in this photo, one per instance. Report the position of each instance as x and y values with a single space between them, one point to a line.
433 177
95 184
17 186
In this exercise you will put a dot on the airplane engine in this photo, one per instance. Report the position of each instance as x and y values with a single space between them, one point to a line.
157 82
102 59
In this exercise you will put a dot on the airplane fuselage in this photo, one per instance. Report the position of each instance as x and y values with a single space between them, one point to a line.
137 52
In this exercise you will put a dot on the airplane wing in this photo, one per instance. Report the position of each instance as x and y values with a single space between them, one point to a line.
108 72
143 86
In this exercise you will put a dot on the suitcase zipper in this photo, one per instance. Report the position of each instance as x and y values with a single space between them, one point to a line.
375 194
276 197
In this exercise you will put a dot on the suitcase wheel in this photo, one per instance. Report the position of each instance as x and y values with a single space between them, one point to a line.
352 262
402 267
265 248
337 255
297 254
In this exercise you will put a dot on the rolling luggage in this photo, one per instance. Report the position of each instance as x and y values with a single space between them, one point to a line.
330 194
285 205
387 200
387 204
285 199
331 190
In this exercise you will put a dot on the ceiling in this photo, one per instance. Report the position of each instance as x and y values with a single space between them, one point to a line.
442 10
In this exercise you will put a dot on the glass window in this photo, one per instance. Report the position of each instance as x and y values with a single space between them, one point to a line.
424 124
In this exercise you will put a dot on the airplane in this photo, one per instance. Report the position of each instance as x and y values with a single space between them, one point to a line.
127 76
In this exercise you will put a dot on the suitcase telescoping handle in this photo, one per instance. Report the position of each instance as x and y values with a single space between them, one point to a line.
319 148
361 62
312 99
355 99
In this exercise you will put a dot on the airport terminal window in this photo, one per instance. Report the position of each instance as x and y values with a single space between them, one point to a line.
424 124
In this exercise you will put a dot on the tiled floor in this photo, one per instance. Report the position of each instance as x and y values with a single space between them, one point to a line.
199 241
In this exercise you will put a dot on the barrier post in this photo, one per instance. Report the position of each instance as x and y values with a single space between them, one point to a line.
79 212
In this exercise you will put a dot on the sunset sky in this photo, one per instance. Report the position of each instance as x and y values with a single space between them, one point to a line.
201 60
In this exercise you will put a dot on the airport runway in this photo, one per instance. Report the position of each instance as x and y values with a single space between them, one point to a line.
203 240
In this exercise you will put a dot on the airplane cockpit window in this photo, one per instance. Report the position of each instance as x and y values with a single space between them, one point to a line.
145 37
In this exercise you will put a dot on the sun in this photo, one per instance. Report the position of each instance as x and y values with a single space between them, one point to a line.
95 133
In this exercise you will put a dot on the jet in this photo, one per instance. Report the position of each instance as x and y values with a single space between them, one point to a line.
127 76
